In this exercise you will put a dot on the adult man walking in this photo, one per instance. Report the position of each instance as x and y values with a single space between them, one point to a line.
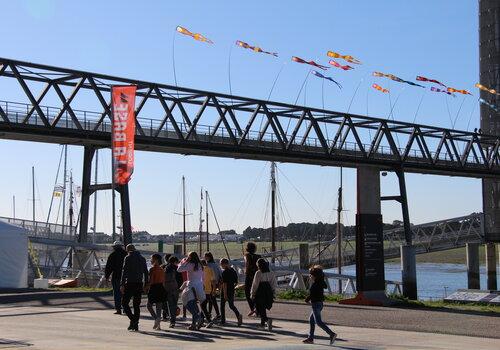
114 267
134 278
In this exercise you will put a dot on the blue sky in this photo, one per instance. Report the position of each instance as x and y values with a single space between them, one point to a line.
438 39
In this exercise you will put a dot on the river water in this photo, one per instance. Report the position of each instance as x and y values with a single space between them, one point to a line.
434 281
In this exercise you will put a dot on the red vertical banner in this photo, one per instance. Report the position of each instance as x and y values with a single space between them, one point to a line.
123 107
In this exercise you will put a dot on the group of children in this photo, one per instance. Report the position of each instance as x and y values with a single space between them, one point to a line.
198 282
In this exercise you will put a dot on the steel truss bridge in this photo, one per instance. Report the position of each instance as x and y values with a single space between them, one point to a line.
67 106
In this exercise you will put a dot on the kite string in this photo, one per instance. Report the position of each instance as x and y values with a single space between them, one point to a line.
458 112
173 61
229 71
419 104
275 80
297 98
448 108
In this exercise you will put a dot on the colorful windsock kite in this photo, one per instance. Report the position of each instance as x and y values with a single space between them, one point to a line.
319 75
484 88
435 89
380 88
347 58
463 92
312 63
195 36
420 78
338 65
254 48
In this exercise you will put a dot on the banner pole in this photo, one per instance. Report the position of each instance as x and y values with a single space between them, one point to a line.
113 194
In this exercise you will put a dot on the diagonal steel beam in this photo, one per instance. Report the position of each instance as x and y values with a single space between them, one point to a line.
249 124
198 116
168 113
28 93
390 139
296 130
42 94
139 109
168 116
356 137
217 124
105 105
224 120
235 121
67 102
319 133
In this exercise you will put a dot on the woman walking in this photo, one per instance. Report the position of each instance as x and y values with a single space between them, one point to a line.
217 276
193 289
316 297
156 290
250 270
263 292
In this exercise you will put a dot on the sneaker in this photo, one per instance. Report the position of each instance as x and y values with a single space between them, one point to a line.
308 341
210 324
130 326
269 325
261 326
136 327
332 338
172 325
199 324
240 320
118 312
251 313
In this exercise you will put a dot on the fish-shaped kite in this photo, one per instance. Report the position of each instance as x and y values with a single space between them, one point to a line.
443 91
395 78
463 92
338 65
380 88
312 63
195 36
484 88
492 106
254 48
347 58
319 75
420 78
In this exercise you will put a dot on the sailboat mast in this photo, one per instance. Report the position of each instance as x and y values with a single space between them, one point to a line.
206 220
33 192
95 195
71 204
200 229
65 175
184 215
273 209
14 207
339 233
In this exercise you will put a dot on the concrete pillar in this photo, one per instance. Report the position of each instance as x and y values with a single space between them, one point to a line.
304 256
491 266
160 246
370 275
409 271
178 249
472 265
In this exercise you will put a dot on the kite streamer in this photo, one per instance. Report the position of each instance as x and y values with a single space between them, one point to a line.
347 58
395 78
195 36
312 63
492 106
463 92
434 89
254 48
338 65
319 75
380 88
484 88
420 78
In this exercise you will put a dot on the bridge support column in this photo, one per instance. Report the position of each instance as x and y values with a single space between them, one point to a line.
88 155
125 214
409 271
491 266
472 250
370 276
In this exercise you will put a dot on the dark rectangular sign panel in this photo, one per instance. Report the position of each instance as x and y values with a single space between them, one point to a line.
369 252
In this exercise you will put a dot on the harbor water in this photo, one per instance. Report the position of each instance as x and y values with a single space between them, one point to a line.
434 281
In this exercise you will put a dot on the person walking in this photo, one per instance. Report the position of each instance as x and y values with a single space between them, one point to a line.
263 292
113 269
193 290
217 276
134 278
209 287
229 281
316 297
156 289
173 281
250 269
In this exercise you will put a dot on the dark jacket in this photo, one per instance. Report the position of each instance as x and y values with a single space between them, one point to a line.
173 279
135 269
114 265
316 292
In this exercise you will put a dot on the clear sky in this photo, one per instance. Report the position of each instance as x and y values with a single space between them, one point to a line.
438 39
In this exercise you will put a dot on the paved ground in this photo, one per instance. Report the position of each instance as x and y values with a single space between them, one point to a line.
76 320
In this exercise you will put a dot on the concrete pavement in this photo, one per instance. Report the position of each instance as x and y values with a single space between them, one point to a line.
57 327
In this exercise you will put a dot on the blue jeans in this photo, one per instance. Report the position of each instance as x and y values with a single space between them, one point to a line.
192 307
117 295
315 319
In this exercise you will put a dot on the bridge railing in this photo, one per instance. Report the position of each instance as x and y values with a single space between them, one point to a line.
43 229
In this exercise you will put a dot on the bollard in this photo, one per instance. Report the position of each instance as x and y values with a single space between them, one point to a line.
303 256
472 250
409 271
491 266
178 250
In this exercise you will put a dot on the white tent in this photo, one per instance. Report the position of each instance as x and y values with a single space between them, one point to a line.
13 256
